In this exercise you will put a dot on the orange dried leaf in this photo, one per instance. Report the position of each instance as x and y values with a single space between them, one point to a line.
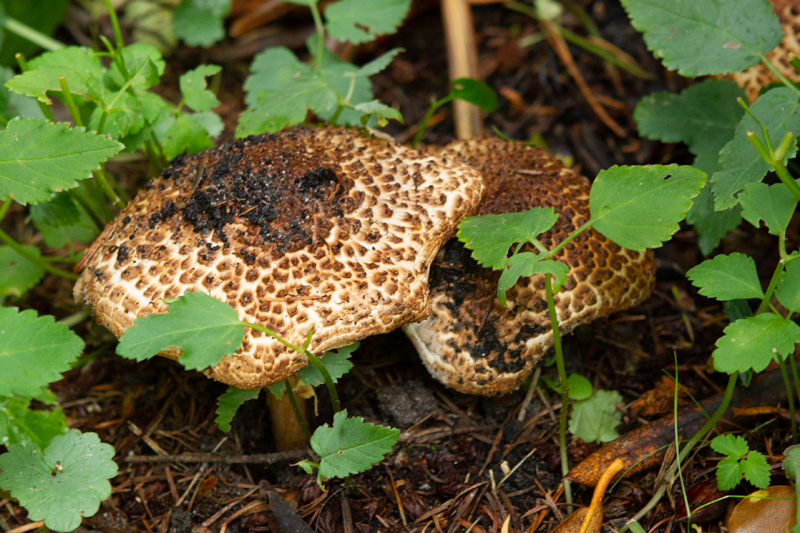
757 514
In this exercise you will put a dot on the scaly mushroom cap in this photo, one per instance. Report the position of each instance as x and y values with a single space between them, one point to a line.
317 229
470 342
758 76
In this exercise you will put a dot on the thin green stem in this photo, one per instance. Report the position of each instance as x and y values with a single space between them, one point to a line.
328 380
678 442
287 389
786 178
790 396
776 276
569 239
88 208
562 376
6 205
272 334
795 377
320 34
73 109
783 79
335 118
3 121
424 124
102 177
115 24
26 32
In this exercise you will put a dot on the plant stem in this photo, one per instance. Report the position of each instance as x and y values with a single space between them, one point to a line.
678 442
328 380
424 124
569 239
101 177
115 24
287 389
320 34
73 109
88 208
789 396
776 276
23 67
778 74
562 376
26 32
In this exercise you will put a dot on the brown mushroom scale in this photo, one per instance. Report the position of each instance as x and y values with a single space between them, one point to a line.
319 229
473 344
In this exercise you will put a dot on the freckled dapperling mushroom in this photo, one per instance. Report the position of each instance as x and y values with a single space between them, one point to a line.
317 229
470 342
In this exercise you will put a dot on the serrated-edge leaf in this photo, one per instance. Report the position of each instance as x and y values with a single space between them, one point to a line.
788 289
729 473
730 445
751 343
39 158
756 470
727 277
359 21
229 403
336 362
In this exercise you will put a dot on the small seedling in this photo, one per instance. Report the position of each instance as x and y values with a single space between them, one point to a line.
739 460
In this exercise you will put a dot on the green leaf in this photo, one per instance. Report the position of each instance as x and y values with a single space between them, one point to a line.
210 122
21 424
65 483
185 134
736 309
773 204
360 21
727 277
779 112
711 225
730 445
124 116
144 65
753 342
62 220
475 92
33 351
788 289
78 65
580 388
280 108
272 69
351 445
640 207
490 236
729 473
12 104
379 63
704 116
193 87
791 463
202 327
528 264
38 158
596 419
45 17
17 274
200 22
378 109
756 470
336 362
229 403
706 36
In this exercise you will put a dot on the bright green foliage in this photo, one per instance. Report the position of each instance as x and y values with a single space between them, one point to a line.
185 134
42 15
18 274
229 403
475 92
740 460
773 204
751 343
336 362
33 351
596 418
202 327
727 277
360 21
79 66
704 116
193 87
791 463
62 220
640 207
528 264
37 158
200 22
788 289
490 236
779 112
20 424
706 36
580 388
65 483
12 104
351 445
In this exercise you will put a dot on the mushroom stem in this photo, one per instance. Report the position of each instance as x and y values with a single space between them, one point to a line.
289 417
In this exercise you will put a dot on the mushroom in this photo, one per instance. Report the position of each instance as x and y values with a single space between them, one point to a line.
473 344
758 76
310 229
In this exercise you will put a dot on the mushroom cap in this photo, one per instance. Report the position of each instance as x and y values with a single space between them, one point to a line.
319 229
473 344
758 76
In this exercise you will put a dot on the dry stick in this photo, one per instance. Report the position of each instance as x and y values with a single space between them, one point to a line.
259 458
462 59
561 49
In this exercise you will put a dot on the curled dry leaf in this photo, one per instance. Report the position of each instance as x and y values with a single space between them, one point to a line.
764 511
572 524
